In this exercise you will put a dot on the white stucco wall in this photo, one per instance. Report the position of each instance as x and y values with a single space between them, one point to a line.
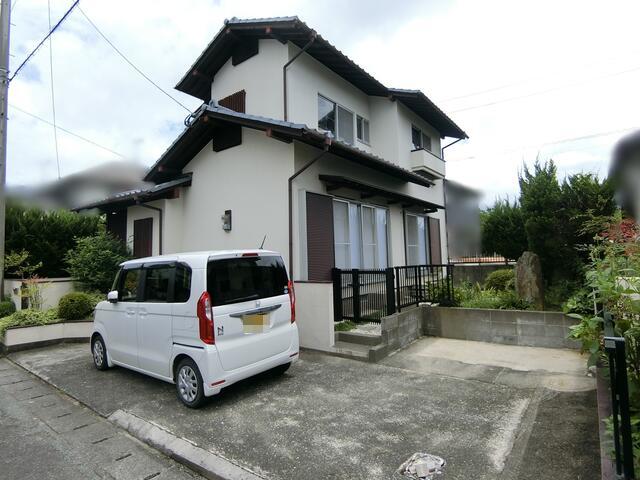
51 289
306 78
260 76
251 181
314 315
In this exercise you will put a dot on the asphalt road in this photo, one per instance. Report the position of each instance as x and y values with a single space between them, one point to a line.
46 434
334 418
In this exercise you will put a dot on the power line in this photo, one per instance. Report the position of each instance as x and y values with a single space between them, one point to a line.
555 142
44 39
53 97
129 61
542 92
69 132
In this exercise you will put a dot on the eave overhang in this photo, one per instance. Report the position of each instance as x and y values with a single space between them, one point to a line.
367 190
209 118
134 197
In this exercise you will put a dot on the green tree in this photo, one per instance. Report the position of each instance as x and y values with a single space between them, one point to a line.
503 230
94 261
46 235
544 218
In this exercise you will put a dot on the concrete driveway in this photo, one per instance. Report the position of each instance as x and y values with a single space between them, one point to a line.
492 411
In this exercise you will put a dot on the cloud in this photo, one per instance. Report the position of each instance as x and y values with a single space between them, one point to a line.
571 62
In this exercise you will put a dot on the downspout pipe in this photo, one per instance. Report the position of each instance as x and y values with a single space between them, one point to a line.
159 210
284 71
327 144
446 210
449 145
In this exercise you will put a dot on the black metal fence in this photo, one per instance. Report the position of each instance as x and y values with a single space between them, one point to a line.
369 295
622 440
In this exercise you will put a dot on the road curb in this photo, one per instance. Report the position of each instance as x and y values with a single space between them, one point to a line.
207 464
202 461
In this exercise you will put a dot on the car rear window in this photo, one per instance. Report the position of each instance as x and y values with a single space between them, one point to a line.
233 280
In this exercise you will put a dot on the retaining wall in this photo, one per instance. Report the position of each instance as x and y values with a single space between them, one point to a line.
22 338
509 327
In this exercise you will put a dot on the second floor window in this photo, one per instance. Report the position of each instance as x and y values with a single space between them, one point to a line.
362 129
419 139
335 119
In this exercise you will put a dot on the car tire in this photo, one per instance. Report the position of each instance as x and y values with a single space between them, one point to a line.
189 385
99 353
281 369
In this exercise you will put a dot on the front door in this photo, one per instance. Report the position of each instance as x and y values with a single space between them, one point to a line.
143 237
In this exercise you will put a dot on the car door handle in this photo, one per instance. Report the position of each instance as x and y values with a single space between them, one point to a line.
131 311
142 312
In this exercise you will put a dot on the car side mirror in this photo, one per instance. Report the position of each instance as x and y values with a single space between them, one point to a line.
112 296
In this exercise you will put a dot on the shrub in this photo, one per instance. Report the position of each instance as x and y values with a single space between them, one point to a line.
7 307
94 261
76 306
501 280
46 235
29 318
473 296
344 326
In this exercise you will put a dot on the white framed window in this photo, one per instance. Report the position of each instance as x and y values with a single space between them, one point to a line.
360 235
336 119
417 239
362 129
419 139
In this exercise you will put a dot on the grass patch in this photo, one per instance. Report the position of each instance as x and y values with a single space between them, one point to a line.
29 318
344 326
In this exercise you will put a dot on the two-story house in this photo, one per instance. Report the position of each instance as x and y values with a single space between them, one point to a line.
296 143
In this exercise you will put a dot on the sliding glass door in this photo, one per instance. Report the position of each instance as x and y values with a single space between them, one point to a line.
360 235
417 239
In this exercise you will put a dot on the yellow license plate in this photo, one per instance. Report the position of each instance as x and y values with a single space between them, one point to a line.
255 323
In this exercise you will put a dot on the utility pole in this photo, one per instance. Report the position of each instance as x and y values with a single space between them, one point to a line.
5 21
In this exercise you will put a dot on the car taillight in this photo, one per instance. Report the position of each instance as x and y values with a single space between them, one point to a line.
292 300
205 317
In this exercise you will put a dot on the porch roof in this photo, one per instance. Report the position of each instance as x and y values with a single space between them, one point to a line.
367 190
207 122
132 197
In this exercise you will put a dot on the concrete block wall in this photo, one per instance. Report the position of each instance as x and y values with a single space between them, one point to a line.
402 328
509 327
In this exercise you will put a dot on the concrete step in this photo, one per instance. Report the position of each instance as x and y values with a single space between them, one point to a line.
359 338
351 350
356 351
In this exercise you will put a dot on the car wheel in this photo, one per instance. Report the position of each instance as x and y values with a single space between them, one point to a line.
189 384
99 352
281 369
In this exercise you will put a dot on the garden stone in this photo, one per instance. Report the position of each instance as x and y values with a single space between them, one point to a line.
529 279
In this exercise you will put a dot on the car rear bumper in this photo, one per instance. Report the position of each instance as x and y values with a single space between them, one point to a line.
215 378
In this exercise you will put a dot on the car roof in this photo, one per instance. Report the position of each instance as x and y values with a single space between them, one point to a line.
197 259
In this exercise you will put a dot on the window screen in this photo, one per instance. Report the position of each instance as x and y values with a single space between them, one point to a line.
326 114
128 291
182 288
416 138
234 280
426 142
345 125
362 129
156 284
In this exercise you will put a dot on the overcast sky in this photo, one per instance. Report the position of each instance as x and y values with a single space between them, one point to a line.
525 79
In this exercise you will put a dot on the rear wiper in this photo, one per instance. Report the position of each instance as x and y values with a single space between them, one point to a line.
244 299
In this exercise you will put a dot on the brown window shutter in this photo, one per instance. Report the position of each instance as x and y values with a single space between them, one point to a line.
143 237
235 101
117 224
434 241
320 253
